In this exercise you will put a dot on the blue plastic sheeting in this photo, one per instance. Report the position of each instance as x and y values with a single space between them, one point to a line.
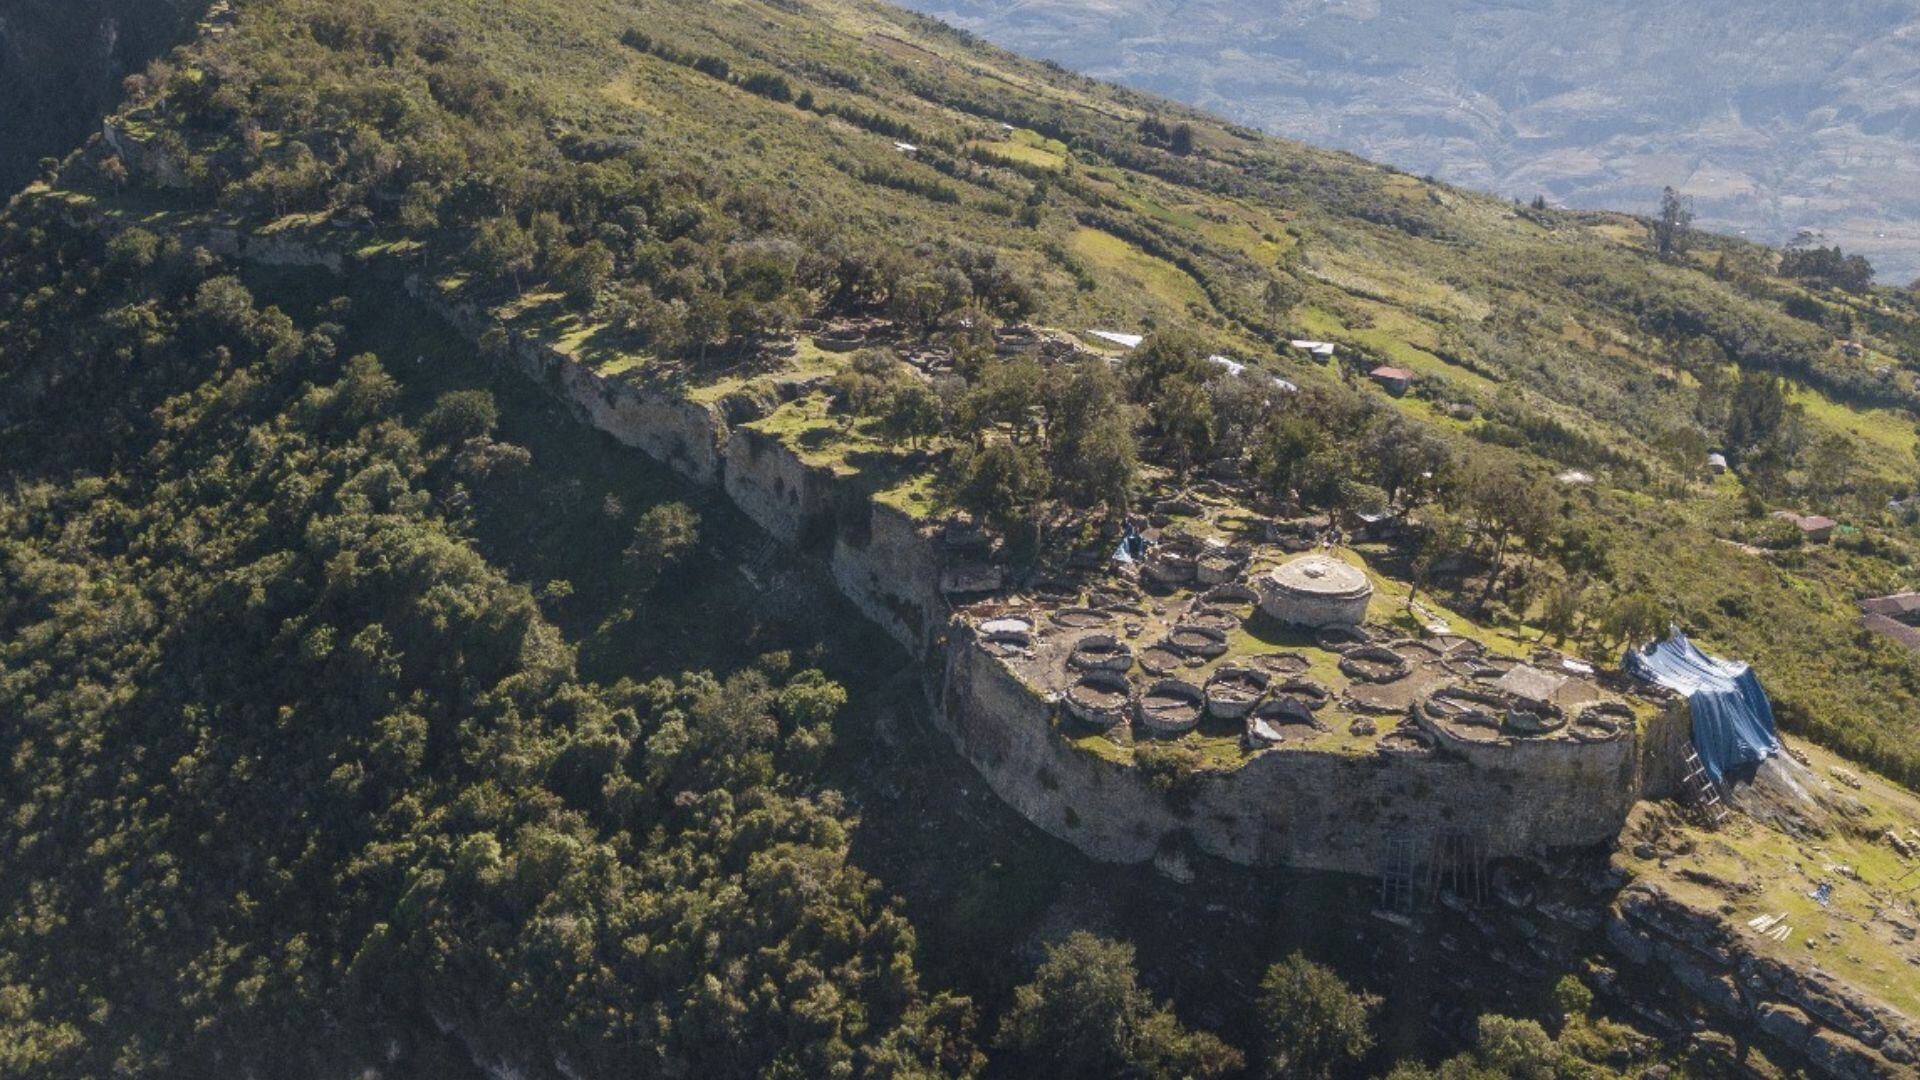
1732 718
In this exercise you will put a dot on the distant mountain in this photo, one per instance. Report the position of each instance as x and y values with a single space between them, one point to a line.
61 65
1774 115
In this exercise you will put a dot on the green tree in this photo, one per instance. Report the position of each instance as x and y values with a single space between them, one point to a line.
1282 450
1316 1024
459 415
1182 418
583 271
1507 502
1521 1049
867 384
1633 618
1091 447
1561 609
662 539
1280 297
503 249
1407 461
1005 394
1001 482
913 414
1443 535
1086 1015
1166 357
1757 411
1572 998
1673 228
921 302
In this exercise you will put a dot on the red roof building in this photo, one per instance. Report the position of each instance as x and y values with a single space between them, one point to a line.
1394 379
1903 606
1813 527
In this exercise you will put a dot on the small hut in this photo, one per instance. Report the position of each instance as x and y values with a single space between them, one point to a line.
1393 380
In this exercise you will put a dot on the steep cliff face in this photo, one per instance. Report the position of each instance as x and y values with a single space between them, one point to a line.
1830 1024
1774 116
61 66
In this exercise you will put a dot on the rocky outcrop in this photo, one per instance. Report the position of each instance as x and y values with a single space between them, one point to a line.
1804 1011
61 66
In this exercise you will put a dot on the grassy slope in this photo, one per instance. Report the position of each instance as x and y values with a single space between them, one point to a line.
1750 869
1532 317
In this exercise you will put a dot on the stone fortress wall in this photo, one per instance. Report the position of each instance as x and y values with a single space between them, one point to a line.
1306 809
1319 810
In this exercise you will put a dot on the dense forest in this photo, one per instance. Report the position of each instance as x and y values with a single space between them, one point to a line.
339 764
354 725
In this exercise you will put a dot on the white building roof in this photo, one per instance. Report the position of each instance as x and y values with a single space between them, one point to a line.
1126 341
1235 367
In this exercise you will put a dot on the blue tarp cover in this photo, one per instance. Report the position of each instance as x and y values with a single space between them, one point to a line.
1732 718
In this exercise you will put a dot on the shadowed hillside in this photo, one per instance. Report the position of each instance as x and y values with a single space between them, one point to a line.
61 65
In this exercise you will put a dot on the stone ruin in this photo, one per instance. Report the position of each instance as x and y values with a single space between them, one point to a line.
1161 662
1315 591
1232 692
1171 707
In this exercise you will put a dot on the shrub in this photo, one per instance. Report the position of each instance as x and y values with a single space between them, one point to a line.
459 415
769 85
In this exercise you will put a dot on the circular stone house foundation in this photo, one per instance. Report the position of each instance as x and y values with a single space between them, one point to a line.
1315 591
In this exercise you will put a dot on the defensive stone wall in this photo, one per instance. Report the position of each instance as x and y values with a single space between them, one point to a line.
1309 809
1318 810
878 555
891 570
1663 749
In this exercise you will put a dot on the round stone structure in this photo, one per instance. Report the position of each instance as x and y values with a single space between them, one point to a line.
1315 591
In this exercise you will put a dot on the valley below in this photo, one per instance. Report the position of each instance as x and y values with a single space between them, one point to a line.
1773 118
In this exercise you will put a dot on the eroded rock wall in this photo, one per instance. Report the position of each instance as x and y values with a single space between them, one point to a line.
1814 1016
